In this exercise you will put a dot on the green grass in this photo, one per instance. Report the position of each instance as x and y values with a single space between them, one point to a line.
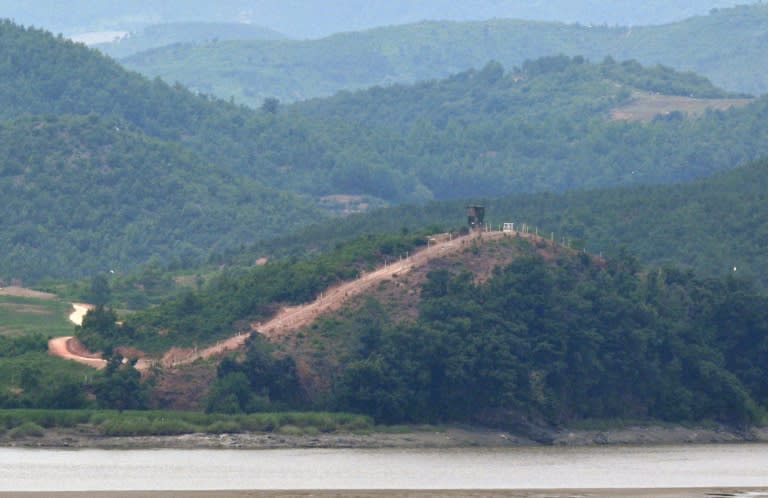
158 423
50 370
26 315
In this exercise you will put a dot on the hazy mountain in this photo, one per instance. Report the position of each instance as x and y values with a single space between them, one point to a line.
726 46
159 35
314 18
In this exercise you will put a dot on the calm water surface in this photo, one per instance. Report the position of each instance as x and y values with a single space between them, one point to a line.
585 467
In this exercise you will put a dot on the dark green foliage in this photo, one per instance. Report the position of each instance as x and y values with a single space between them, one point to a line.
101 331
157 423
712 225
31 378
544 127
99 292
565 341
261 382
86 195
17 346
119 386
234 299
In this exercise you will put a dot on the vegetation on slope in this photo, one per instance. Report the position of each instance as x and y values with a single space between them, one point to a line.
231 301
726 46
553 337
84 195
543 128
711 226
563 342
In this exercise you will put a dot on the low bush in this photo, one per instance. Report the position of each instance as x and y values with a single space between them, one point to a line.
224 427
27 429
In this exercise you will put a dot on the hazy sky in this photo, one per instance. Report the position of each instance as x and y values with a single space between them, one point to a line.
314 18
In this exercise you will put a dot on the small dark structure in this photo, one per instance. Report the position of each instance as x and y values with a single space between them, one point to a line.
475 217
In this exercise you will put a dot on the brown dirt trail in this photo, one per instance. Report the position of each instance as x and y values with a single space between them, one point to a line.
292 318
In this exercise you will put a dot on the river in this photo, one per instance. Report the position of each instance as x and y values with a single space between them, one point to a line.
513 468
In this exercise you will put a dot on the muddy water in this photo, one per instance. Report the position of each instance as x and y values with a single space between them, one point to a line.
518 468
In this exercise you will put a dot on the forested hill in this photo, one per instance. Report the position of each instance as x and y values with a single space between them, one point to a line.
709 226
506 332
482 132
489 132
102 169
83 195
727 46
549 126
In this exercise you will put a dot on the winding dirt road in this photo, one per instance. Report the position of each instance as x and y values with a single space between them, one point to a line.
67 347
289 318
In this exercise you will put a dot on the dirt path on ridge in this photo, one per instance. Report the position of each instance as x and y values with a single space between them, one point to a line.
289 318
292 318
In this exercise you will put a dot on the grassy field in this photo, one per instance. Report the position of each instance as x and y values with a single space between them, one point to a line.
30 315
646 106
18 423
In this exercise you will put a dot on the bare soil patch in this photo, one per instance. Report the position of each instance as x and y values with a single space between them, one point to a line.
23 292
646 106
183 388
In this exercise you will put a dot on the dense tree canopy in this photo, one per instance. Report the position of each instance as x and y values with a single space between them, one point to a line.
565 341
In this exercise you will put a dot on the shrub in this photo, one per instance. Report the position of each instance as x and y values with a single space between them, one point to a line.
224 427
27 429
290 430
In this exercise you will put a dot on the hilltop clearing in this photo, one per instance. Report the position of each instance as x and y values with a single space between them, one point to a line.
645 106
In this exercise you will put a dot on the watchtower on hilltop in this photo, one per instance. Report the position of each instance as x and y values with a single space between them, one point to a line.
475 217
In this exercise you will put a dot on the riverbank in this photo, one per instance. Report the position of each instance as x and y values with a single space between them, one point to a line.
537 493
443 437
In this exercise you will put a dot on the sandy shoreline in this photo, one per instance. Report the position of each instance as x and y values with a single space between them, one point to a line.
444 437
536 493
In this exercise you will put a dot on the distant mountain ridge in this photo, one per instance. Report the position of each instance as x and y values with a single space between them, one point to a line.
727 46
159 35
314 19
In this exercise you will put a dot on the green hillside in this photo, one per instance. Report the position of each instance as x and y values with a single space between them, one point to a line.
552 339
710 226
82 195
546 127
725 46
508 332
106 169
